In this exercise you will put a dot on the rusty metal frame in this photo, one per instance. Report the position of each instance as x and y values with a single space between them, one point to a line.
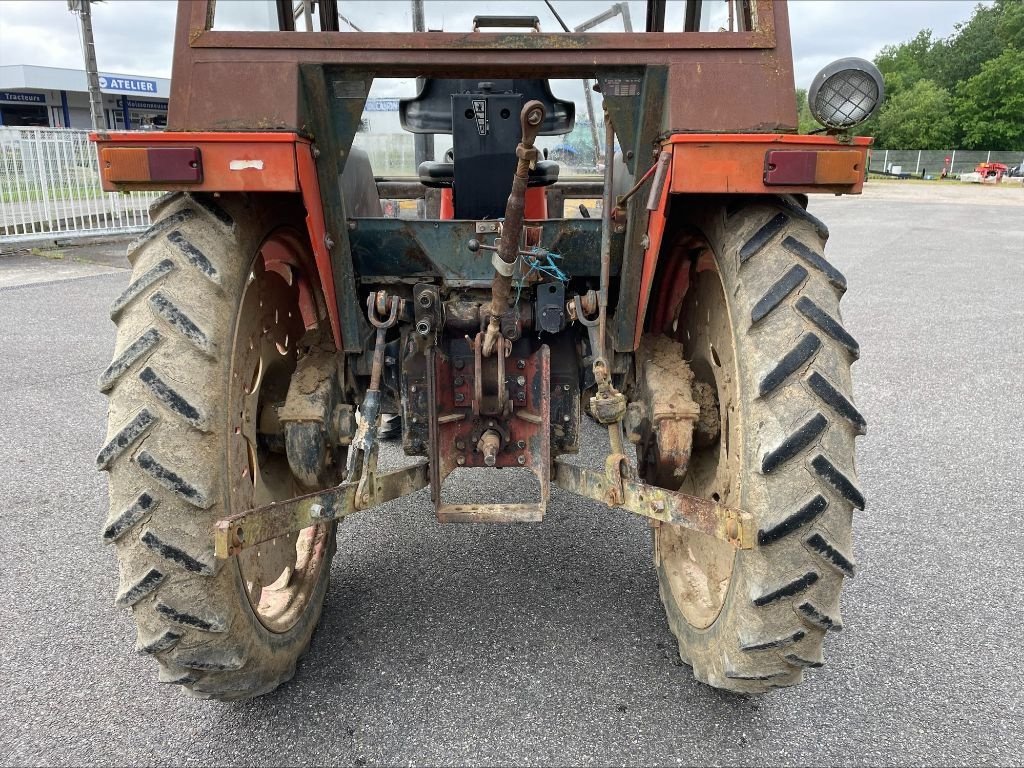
213 70
619 490
615 487
528 427
202 34
255 526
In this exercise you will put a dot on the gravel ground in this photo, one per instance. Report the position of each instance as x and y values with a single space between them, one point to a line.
546 644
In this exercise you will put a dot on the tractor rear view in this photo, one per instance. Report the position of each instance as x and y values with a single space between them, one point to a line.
277 323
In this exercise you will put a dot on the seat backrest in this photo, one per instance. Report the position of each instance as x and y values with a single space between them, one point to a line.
483 120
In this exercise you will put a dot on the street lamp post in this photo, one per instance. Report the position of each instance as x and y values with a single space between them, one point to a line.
82 8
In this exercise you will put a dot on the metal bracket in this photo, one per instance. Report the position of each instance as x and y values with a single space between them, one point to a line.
618 489
524 432
495 404
550 314
579 314
313 416
501 267
255 526
429 311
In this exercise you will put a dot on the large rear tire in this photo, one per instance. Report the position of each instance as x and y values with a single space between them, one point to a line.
760 323
221 303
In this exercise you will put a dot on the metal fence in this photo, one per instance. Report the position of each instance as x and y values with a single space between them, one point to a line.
930 162
50 186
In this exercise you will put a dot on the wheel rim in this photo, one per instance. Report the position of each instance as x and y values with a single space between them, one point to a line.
698 568
279 576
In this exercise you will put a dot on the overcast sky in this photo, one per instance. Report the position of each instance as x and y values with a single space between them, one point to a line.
135 36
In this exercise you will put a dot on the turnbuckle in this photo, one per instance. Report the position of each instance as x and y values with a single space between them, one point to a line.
531 118
382 312
609 405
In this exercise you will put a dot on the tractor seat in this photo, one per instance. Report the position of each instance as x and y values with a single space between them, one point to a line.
441 175
483 118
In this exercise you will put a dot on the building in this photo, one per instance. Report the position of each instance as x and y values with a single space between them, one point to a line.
59 98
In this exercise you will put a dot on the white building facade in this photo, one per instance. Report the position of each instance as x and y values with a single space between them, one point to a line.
59 98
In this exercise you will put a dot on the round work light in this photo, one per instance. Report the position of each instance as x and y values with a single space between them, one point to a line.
845 93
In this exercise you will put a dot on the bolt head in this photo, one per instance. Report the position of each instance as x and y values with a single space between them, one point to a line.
460 460
459 381
520 364
521 397
520 444
566 387
459 397
521 459
317 512
521 381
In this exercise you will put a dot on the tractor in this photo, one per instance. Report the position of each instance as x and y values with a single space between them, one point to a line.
277 325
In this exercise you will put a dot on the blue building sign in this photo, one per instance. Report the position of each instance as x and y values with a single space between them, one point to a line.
154 106
134 84
382 104
23 98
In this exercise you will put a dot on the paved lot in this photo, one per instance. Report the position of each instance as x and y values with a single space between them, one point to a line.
546 644
30 269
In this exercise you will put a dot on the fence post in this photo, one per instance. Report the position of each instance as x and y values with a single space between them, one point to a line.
36 144
885 162
988 157
917 168
952 162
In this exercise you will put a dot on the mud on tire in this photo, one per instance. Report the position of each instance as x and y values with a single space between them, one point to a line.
792 425
166 449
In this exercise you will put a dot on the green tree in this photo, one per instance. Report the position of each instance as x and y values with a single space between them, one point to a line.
990 105
917 117
904 64
806 121
973 42
922 73
1011 24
